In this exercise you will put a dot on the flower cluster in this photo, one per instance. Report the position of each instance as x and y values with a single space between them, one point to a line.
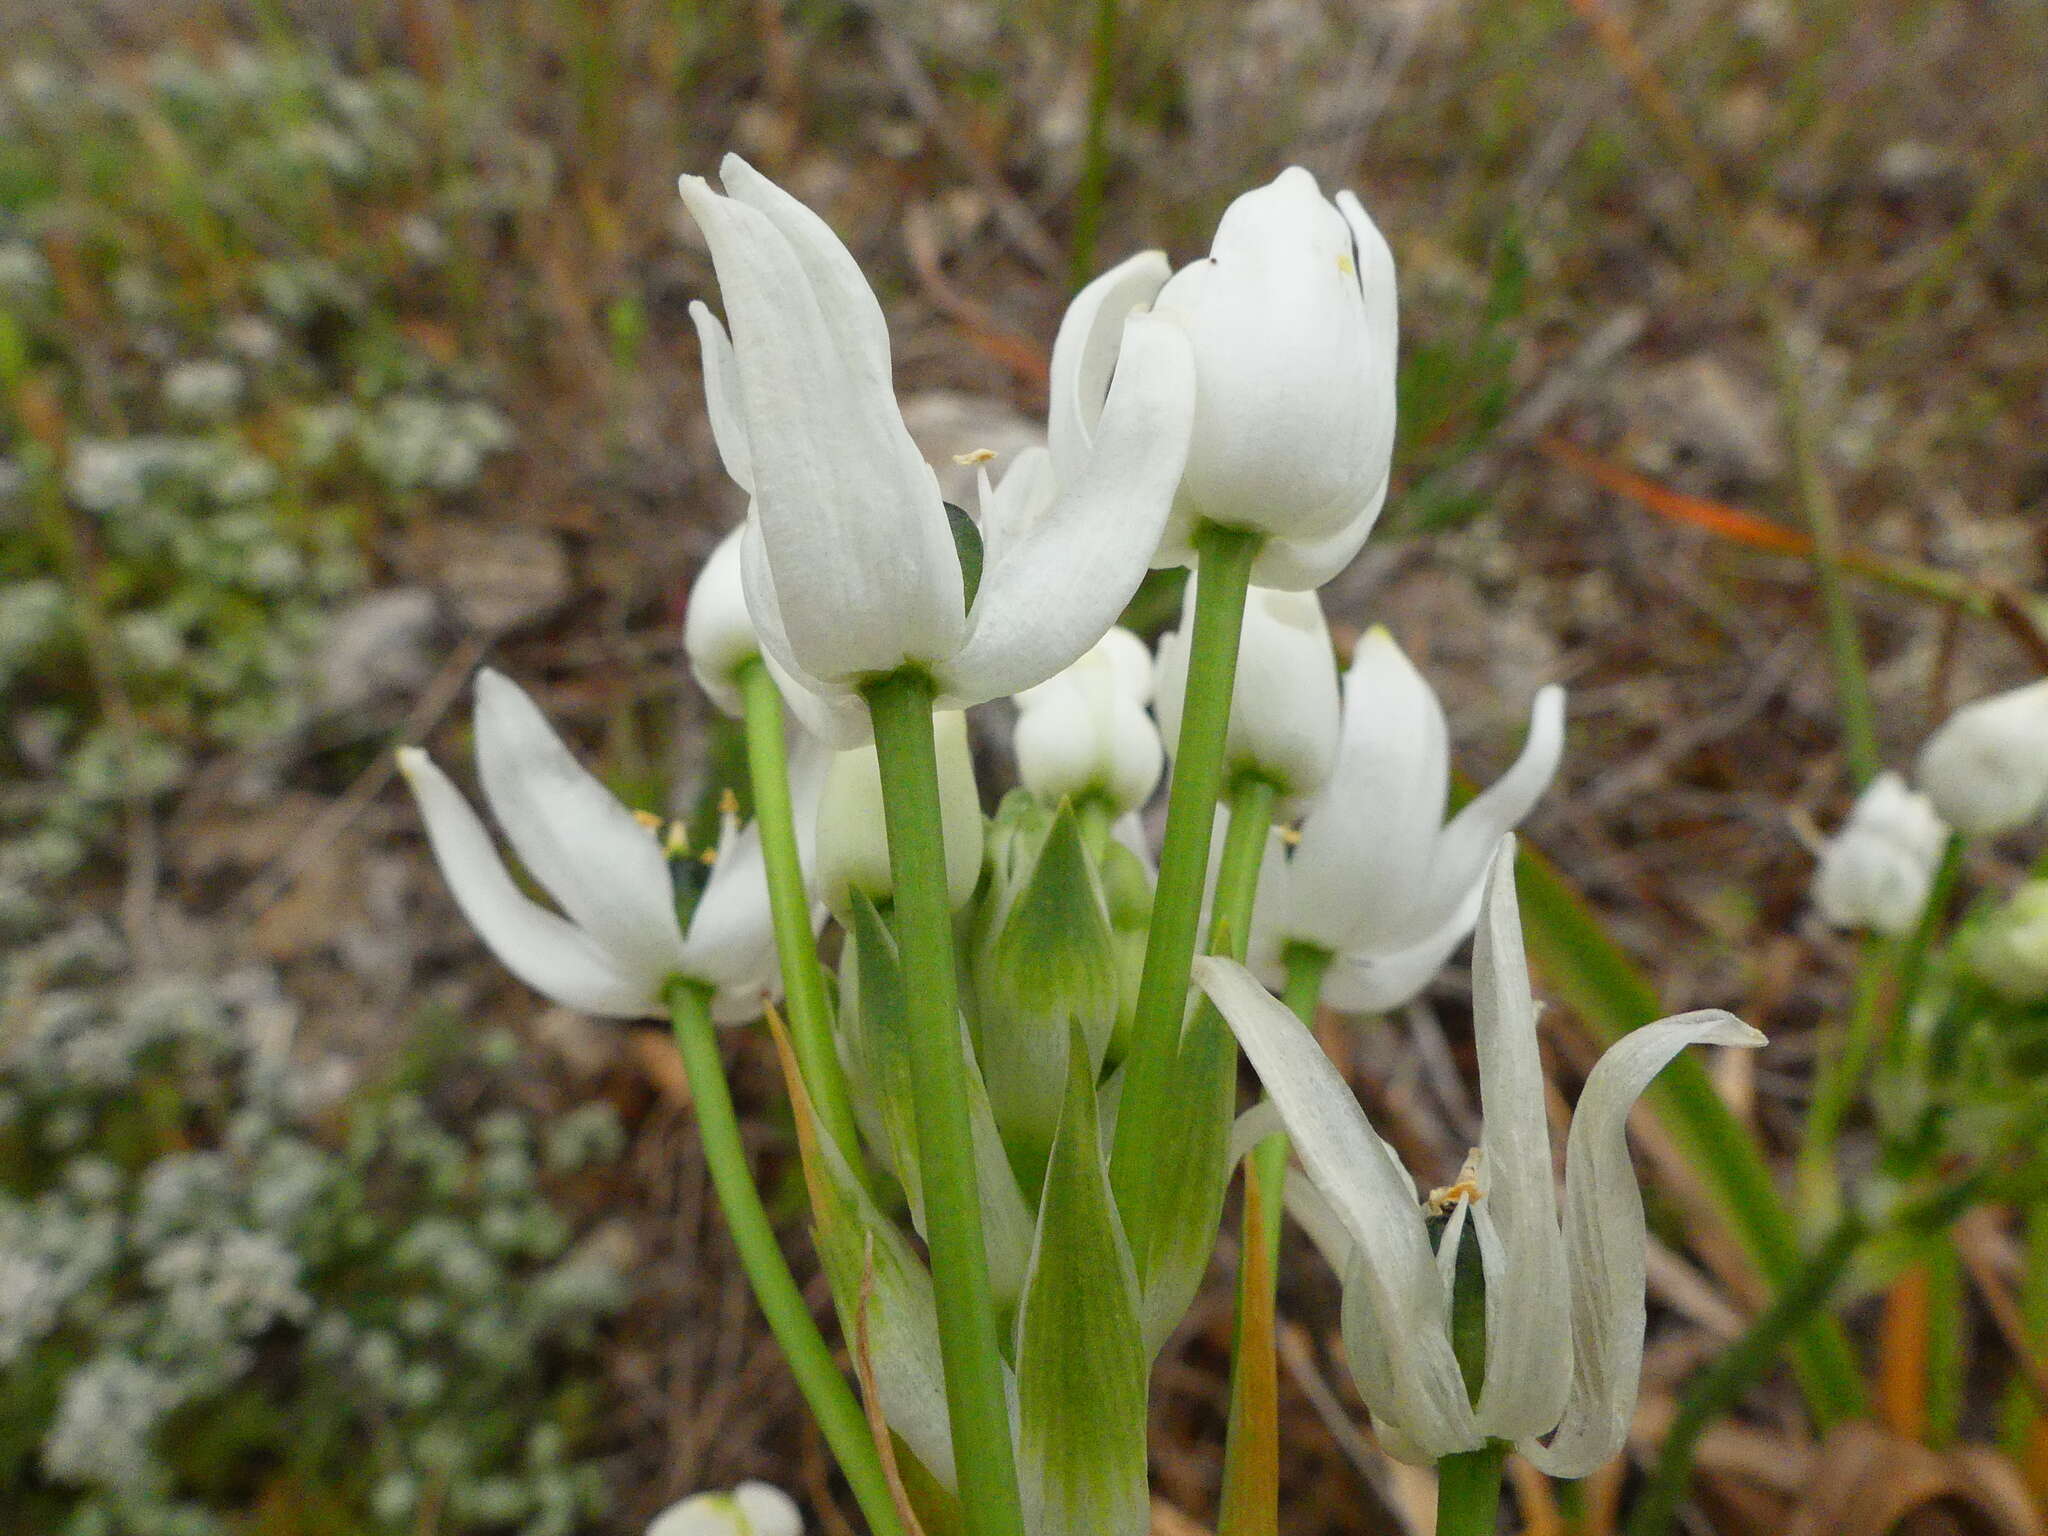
1009 1067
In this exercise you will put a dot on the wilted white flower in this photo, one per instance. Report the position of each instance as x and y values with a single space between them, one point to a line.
621 943
2008 951
1875 873
1376 877
852 836
1086 731
1292 318
752 1509
850 559
1986 768
1283 712
1563 1308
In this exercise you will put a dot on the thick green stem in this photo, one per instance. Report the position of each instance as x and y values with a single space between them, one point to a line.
1145 1128
803 978
1837 1081
901 705
1468 1491
831 1401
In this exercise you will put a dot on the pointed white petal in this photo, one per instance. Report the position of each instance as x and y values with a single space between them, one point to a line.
722 396
850 513
1347 1162
605 869
1528 1364
1467 845
843 290
731 942
1604 1236
1365 844
1084 353
1051 592
552 956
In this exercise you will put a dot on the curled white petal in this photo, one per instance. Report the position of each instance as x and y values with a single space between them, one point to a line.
1605 1241
550 955
1084 353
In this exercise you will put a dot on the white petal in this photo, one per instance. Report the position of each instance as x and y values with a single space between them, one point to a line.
718 629
1050 592
701 1514
835 715
552 956
1285 356
1084 353
1303 564
769 1511
1346 1161
1528 1360
1364 856
1986 768
1468 844
731 942
1364 981
1015 505
606 870
850 513
722 396
1605 1242
853 840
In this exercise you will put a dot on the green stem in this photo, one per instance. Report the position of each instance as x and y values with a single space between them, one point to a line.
1838 1079
803 978
1468 1491
969 1351
1919 946
1947 1346
810 1359
1146 1122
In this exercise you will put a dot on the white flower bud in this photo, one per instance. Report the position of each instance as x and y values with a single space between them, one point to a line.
1085 731
853 839
1875 872
1283 712
2008 952
1292 316
752 1509
718 633
1986 769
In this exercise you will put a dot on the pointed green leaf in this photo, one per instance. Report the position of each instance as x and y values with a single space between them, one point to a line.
1081 1363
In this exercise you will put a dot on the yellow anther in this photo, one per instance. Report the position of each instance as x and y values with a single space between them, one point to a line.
978 456
675 842
1345 266
649 820
708 856
1465 1187
1291 836
728 802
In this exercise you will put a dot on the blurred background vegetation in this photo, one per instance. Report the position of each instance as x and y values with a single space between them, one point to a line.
344 345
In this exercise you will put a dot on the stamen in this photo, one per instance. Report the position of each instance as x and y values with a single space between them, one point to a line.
1464 1187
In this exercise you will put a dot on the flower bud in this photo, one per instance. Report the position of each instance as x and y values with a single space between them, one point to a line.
853 839
1875 872
2008 951
1986 769
1292 318
752 1509
1085 731
718 634
1283 713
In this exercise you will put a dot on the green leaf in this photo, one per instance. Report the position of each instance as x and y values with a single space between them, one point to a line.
1047 958
1081 1364
883 1067
1580 960
967 544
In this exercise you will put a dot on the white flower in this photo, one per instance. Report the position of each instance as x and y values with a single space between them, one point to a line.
752 1509
850 564
1986 769
1376 877
1875 872
207 390
1283 711
1563 1309
621 942
1086 730
1292 317
852 836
